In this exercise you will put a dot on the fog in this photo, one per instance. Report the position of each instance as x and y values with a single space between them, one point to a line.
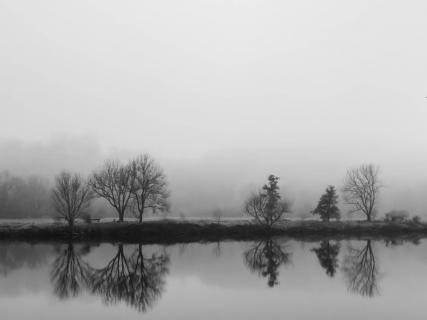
222 179
221 93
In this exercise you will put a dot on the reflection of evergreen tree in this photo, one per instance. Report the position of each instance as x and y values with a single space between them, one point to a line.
265 258
70 274
361 270
327 254
136 280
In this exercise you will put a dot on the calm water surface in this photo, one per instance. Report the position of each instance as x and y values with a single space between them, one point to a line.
272 279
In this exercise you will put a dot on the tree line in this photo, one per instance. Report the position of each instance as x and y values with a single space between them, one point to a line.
361 188
137 185
19 196
141 184
359 265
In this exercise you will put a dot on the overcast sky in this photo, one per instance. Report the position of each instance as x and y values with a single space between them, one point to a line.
183 78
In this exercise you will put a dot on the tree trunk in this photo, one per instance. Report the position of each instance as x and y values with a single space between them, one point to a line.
121 216
71 228
141 212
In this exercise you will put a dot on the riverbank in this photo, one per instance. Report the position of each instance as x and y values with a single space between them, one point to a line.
172 231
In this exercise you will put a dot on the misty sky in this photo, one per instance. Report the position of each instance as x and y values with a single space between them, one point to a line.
182 78
240 89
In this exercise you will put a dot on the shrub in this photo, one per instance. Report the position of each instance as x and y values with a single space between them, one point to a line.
416 219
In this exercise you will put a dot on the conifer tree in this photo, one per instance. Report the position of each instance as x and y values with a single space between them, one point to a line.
327 205
266 206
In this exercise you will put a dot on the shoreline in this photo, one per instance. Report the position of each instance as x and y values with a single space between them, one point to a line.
170 231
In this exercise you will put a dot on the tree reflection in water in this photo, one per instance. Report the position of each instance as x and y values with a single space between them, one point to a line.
265 258
327 254
70 274
134 279
361 270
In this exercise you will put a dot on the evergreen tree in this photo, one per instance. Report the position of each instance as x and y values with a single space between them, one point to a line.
266 206
272 195
327 206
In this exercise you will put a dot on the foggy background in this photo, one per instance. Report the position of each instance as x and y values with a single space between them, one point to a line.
221 93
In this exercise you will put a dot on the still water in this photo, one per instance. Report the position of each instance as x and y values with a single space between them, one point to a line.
272 279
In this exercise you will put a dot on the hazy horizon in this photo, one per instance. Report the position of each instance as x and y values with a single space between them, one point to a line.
222 179
221 98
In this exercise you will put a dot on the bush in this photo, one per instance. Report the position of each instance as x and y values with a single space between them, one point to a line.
416 219
396 216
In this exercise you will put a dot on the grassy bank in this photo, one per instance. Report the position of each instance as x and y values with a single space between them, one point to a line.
168 231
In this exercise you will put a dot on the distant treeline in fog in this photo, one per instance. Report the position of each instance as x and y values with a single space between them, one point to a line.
216 183
24 197
30 197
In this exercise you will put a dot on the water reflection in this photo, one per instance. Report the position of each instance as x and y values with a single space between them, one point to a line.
135 275
265 258
327 254
136 279
361 270
19 255
70 274
400 242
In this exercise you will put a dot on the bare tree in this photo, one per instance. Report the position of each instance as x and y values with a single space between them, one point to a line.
150 186
266 206
361 189
114 182
71 196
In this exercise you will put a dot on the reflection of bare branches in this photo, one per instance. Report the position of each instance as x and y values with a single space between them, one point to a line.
136 280
327 254
265 258
69 273
113 281
362 271
217 249
148 277
182 247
